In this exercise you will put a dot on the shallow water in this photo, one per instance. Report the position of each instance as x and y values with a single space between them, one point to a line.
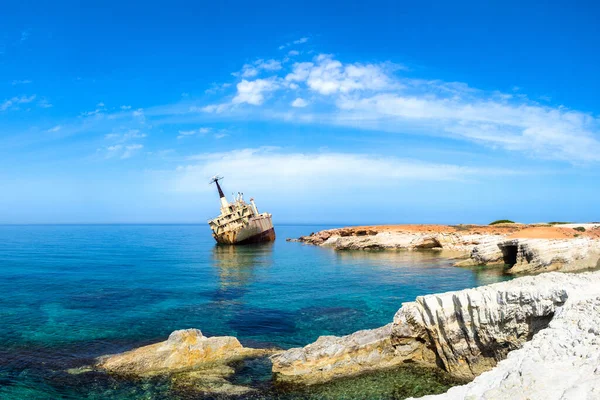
72 293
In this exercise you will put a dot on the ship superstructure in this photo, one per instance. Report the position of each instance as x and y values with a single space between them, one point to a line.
240 222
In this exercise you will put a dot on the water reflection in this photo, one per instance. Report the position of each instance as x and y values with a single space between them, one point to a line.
236 266
400 264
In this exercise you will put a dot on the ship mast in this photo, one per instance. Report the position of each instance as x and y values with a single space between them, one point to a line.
224 202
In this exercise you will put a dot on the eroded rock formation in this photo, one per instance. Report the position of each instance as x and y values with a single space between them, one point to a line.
465 332
523 249
184 350
561 362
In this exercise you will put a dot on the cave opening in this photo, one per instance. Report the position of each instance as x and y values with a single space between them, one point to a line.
509 254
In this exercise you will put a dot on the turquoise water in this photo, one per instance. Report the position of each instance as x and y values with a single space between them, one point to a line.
72 293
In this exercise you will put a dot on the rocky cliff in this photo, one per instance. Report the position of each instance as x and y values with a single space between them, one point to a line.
521 248
465 332
560 363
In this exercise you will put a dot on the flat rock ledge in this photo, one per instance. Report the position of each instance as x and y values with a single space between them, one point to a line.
466 333
477 245
184 350
193 361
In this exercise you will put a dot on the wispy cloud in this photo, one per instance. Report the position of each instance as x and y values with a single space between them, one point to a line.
123 151
271 167
21 82
193 132
123 145
302 40
216 88
252 70
54 129
123 137
15 101
24 35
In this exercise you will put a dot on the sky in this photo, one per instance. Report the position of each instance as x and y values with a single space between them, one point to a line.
339 112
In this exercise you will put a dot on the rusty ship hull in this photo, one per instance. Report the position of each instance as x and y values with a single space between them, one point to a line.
240 222
257 230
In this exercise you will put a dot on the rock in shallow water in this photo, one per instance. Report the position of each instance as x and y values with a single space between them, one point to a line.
184 350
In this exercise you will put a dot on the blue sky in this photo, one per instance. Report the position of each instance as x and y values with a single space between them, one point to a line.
326 112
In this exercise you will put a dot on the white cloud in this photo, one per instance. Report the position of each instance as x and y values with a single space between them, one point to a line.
193 132
125 137
220 135
329 76
138 113
252 70
212 108
124 108
15 101
253 92
269 167
130 150
54 129
91 113
101 104
302 40
545 132
293 53
21 82
123 151
376 96
299 102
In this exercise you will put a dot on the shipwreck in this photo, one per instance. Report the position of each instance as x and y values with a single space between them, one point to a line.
240 222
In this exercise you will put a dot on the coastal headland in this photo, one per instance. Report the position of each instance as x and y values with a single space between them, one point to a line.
521 248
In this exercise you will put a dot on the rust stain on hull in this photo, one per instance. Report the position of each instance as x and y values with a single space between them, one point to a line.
230 238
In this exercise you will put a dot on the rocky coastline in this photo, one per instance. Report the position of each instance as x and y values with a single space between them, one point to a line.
522 248
506 339
530 337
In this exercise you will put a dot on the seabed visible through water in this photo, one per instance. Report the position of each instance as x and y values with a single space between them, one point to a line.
74 292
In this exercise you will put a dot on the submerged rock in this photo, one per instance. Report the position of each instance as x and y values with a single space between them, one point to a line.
184 350
465 332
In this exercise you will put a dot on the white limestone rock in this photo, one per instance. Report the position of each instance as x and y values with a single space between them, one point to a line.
561 362
540 255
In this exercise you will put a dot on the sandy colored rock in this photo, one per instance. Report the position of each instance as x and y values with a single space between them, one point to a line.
331 356
523 248
183 350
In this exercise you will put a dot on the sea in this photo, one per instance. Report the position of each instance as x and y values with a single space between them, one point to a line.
71 293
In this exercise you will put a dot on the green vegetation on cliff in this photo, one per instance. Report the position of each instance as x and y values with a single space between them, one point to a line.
502 221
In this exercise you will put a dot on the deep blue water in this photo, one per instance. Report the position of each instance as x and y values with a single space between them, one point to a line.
72 293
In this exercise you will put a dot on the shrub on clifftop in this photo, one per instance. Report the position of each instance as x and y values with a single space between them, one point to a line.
502 221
